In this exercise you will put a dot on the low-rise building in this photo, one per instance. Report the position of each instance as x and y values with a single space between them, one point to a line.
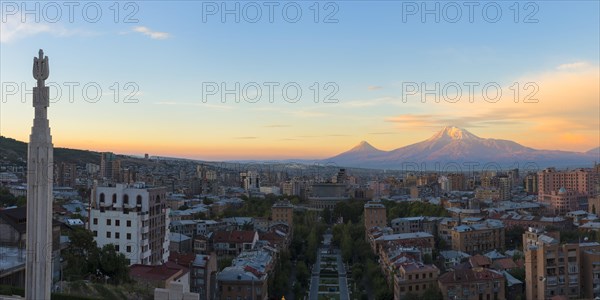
414 278
375 215
479 237
246 278
414 224
422 240
160 276
473 284
234 242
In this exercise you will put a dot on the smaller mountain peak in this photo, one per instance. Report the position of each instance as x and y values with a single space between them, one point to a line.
363 146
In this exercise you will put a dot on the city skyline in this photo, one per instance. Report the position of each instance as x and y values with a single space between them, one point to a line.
369 77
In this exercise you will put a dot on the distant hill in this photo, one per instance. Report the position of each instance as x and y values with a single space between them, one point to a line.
16 152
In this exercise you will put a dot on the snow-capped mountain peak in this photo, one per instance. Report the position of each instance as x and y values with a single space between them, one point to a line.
453 133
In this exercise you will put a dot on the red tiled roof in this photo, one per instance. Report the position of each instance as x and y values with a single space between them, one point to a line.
235 236
182 259
270 236
156 273
504 264
479 261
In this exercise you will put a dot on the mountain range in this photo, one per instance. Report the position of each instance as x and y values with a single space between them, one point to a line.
457 145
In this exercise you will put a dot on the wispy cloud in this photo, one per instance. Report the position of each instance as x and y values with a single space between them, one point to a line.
245 137
374 87
14 29
575 65
156 35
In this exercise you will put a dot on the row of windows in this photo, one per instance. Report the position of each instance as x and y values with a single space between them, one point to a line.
109 222
138 199
423 277
117 235
410 288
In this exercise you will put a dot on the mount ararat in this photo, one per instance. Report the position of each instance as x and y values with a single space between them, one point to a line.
459 146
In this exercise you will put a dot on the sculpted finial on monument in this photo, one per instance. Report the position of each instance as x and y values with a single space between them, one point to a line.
40 68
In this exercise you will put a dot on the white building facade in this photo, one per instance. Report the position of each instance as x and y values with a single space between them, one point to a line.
134 218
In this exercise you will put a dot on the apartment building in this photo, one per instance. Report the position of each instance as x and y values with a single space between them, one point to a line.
134 218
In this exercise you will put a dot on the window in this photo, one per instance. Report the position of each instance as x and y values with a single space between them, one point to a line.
114 198
95 233
117 235
128 249
108 222
108 234
117 247
117 222
417 276
129 236
128 223
138 200
101 197
125 199
95 221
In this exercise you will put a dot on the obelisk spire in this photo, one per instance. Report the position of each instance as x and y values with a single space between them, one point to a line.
38 272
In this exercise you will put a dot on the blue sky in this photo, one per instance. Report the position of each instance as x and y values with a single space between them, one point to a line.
368 54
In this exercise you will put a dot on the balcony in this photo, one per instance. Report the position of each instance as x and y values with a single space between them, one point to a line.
551 280
573 280
129 205
146 254
145 229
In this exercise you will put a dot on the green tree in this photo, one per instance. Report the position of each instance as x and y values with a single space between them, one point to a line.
302 273
82 255
514 237
326 215
114 265
518 273
347 244
427 259
6 198
432 293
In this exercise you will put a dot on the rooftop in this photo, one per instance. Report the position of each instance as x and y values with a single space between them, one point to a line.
402 236
157 273
469 275
235 236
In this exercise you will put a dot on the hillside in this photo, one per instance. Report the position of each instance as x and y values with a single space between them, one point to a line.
15 151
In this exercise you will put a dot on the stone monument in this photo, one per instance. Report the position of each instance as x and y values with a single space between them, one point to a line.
38 275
